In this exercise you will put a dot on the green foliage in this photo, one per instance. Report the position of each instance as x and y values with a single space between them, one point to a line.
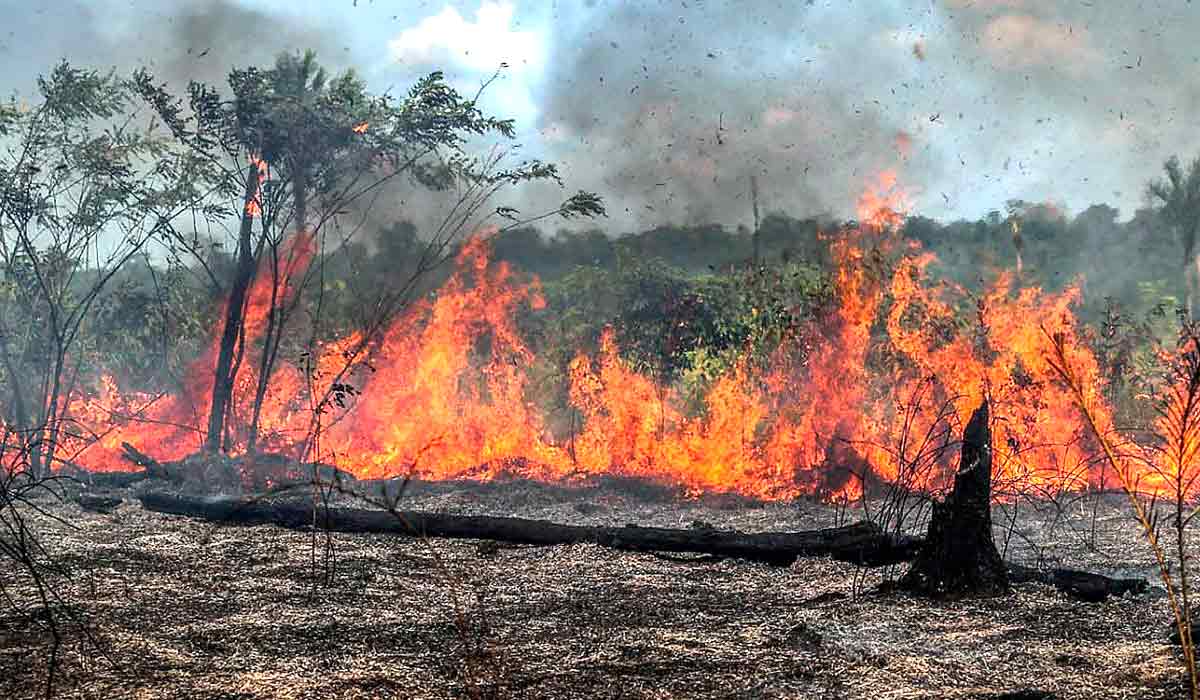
83 189
148 326
1179 195
678 327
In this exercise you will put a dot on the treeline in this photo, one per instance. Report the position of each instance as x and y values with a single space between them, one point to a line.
1136 263
681 298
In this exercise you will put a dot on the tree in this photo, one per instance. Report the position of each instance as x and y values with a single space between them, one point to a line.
1178 197
959 556
292 151
83 188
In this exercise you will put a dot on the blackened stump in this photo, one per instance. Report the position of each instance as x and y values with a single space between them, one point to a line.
959 557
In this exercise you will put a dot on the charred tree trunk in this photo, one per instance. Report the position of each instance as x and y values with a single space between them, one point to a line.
270 347
225 372
959 556
863 543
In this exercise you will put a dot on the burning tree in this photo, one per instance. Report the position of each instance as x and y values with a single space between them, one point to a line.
292 150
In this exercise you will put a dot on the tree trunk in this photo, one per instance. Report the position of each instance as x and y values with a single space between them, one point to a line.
959 556
267 359
225 373
275 315
862 543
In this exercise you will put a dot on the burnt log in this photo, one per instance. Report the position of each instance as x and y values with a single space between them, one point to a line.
148 468
111 480
98 502
152 468
959 557
217 472
862 543
1081 585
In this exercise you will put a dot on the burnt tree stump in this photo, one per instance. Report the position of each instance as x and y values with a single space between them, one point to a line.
959 557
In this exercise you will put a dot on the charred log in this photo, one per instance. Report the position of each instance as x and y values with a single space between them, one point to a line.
863 543
148 468
111 480
1081 585
152 468
98 502
959 556
217 472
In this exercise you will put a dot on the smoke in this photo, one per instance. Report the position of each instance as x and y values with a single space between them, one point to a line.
668 107
669 110
178 40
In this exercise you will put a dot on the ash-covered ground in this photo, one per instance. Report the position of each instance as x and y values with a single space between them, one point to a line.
180 608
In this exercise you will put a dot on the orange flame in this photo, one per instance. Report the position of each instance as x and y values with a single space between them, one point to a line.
883 204
254 204
360 128
447 393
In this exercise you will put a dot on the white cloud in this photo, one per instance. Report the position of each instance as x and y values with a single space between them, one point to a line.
481 45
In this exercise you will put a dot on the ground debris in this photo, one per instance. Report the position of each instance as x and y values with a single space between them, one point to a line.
188 609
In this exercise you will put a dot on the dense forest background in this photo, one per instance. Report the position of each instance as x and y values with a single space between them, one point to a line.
643 284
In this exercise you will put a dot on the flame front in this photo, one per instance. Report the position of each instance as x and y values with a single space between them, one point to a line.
434 408
254 201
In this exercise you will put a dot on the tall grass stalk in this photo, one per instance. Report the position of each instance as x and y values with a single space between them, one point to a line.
1172 461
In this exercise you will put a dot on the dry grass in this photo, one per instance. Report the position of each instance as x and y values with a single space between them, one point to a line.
183 609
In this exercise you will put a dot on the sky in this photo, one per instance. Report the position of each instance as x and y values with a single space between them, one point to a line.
667 108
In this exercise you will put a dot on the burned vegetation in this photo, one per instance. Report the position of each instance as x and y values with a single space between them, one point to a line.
266 433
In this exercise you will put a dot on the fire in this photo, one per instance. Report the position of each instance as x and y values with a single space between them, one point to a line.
254 204
883 204
360 128
447 392
172 423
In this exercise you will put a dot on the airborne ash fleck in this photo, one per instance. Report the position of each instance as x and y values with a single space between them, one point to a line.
667 107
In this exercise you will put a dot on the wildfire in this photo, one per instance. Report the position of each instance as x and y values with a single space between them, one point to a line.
883 204
360 128
432 407
254 203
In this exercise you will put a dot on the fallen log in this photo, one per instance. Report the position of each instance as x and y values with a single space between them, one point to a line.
149 468
98 502
111 480
265 469
862 543
1082 585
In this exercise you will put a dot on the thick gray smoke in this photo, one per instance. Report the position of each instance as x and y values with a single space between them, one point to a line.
179 40
668 107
